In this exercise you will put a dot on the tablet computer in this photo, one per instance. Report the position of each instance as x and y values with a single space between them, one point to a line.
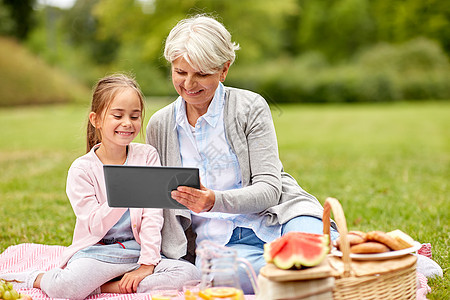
147 186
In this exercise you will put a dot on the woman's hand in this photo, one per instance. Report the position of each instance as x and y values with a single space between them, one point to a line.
130 281
197 200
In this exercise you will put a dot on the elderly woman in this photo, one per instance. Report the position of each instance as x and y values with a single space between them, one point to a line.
246 199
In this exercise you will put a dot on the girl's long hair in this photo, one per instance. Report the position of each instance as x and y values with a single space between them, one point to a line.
104 92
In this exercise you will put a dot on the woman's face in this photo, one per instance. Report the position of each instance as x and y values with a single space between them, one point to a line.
195 87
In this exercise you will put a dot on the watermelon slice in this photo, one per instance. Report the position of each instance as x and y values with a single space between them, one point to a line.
272 249
297 249
302 236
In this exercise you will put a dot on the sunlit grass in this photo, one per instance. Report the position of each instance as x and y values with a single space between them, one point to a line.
387 164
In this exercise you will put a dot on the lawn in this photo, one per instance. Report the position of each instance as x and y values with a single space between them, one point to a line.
388 164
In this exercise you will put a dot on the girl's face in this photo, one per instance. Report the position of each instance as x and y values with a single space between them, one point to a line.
195 87
121 122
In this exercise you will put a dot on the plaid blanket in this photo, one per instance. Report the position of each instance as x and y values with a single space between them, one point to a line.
23 257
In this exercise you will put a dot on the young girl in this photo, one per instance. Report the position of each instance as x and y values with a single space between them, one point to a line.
114 250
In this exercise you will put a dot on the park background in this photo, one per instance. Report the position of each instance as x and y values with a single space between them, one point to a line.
359 92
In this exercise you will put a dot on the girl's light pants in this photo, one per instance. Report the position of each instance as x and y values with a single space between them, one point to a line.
84 276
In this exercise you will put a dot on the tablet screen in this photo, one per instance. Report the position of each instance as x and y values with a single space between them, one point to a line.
147 186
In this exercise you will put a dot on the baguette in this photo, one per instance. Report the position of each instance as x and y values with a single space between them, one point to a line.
382 237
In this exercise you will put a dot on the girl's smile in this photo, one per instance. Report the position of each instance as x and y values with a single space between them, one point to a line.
119 125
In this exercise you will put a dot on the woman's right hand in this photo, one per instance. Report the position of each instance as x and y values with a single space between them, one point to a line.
197 200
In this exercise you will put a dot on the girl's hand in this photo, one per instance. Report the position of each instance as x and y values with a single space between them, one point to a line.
130 281
198 201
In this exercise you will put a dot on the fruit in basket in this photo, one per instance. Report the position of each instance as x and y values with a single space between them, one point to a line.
297 250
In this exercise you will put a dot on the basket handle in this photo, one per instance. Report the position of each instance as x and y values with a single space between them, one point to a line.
338 213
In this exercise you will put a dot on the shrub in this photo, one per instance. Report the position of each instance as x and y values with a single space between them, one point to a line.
26 79
418 69
416 54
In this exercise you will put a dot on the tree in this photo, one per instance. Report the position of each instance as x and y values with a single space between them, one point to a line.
17 17
82 27
255 24
336 28
399 20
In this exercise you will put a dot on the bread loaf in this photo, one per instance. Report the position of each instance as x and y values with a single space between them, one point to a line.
402 238
369 247
377 241
353 239
382 237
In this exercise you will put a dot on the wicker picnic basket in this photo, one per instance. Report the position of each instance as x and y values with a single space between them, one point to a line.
382 279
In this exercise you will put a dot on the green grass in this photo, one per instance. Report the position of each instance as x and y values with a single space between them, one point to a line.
388 164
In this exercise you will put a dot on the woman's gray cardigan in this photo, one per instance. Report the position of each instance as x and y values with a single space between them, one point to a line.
267 190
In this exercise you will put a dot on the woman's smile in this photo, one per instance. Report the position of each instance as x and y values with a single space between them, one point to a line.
196 88
193 93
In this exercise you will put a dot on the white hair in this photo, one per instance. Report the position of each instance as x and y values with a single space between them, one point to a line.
203 42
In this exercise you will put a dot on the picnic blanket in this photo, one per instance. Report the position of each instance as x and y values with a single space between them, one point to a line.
23 257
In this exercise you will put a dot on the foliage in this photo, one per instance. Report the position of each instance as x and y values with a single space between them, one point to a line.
51 41
415 70
36 82
146 27
419 67
98 37
337 28
387 164
16 17
399 20
7 23
81 27
334 28
143 29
